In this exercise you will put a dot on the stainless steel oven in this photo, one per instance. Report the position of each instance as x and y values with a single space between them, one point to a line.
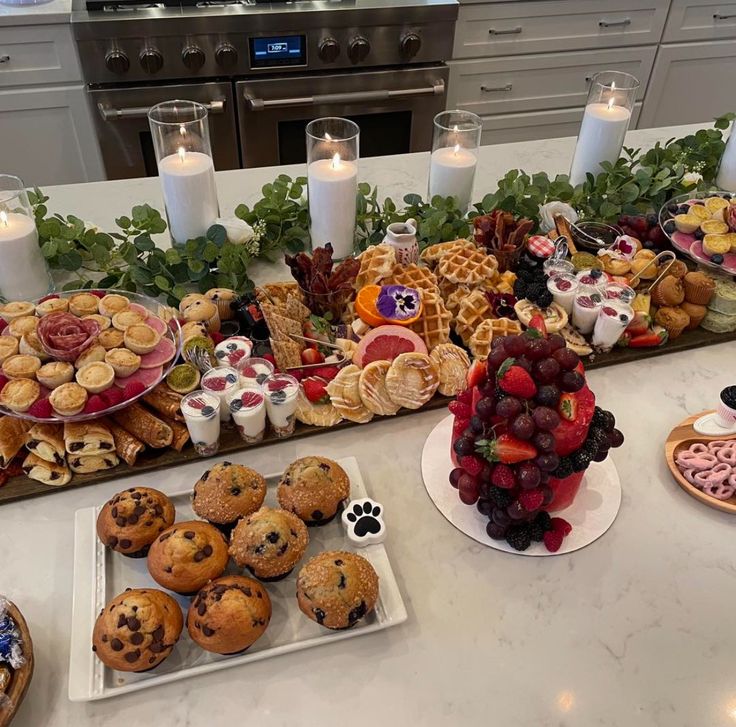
394 109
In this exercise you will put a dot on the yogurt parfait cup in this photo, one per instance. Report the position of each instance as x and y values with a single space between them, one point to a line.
593 278
254 371
201 414
563 287
613 317
248 410
222 382
233 350
619 291
726 412
585 307
558 267
281 392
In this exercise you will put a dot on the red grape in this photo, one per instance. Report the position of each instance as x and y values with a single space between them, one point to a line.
538 348
468 488
544 441
485 507
556 341
516 511
548 395
571 381
484 409
546 370
528 475
464 445
455 476
501 517
496 358
545 418
508 407
525 363
567 359
549 495
523 426
548 461
616 438
515 345
496 532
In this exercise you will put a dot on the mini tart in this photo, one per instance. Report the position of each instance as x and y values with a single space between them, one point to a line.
127 318
111 338
21 366
18 327
54 374
68 399
141 339
83 304
96 377
8 347
113 303
31 345
15 309
91 355
204 311
716 244
103 321
124 362
52 305
20 394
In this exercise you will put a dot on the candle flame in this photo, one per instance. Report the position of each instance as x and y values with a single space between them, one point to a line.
182 153
182 130
610 103
457 148
454 128
336 161
613 97
327 137
4 219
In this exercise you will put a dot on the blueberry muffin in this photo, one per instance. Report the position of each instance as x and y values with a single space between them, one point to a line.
269 543
187 555
132 519
137 629
229 615
228 492
336 589
313 488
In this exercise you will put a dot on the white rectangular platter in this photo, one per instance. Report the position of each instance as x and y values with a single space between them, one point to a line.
100 574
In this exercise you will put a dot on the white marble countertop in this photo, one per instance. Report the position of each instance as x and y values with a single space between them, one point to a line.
56 11
632 631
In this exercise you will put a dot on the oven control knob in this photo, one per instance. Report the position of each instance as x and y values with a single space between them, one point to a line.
410 45
151 60
117 62
359 48
329 50
226 55
193 57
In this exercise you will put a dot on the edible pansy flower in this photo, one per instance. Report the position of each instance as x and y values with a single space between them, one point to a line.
398 303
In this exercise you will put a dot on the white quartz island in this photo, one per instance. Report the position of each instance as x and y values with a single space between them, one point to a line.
633 631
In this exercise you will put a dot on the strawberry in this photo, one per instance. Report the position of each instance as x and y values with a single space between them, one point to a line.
639 324
506 449
270 358
531 500
133 389
553 540
311 356
217 337
568 407
464 397
515 380
476 374
503 477
561 525
472 465
459 409
315 391
41 409
326 372
648 340
537 324
94 405
113 396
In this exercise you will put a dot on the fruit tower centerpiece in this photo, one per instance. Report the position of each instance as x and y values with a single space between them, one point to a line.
525 430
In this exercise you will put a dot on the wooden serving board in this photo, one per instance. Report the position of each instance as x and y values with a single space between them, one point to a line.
681 437
22 677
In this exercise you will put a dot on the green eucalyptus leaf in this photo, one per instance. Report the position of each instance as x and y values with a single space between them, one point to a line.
162 283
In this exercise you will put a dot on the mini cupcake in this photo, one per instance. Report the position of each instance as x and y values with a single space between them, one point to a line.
696 313
203 311
673 320
223 298
669 291
678 269
699 288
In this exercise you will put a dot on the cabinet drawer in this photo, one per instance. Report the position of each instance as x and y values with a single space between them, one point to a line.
38 54
508 28
534 83
700 20
506 128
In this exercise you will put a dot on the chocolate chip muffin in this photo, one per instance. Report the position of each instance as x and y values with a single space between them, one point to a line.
269 543
131 520
336 589
137 629
187 555
229 615
313 488
228 492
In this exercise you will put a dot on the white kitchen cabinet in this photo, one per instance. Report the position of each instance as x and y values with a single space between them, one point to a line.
691 82
691 20
48 135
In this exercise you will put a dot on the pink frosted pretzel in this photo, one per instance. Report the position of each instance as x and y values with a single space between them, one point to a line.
732 480
719 444
727 455
698 461
721 491
711 478
689 475
698 448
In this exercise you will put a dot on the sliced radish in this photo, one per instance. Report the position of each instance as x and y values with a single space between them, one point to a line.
161 355
138 308
147 377
157 324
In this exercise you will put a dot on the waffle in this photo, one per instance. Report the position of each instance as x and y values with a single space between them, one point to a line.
412 276
278 293
434 324
453 364
432 254
375 264
480 341
467 266
454 300
503 283
474 308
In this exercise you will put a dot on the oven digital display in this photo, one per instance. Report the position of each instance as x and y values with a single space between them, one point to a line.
280 50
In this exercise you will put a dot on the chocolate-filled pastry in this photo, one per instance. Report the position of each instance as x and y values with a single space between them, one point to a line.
84 464
166 402
47 442
181 433
12 438
127 446
88 438
49 473
142 424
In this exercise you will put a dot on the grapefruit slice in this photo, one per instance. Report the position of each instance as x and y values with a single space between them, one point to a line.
385 343
147 377
162 354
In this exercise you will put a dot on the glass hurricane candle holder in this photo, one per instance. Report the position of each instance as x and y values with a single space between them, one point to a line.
454 155
181 140
726 178
605 122
333 150
23 272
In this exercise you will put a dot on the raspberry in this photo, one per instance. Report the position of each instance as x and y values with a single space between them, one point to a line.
95 404
133 389
113 396
465 397
217 337
531 500
459 409
561 525
3 324
41 409
503 476
3 381
269 357
472 465
98 293
553 540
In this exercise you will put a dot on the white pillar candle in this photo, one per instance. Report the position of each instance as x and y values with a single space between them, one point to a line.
23 272
600 140
333 190
452 173
190 195
726 178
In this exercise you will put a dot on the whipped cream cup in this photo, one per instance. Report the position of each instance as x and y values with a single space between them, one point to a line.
248 410
201 413
726 411
233 350
613 317
563 287
619 291
222 382
585 307
254 371
281 392
557 266
593 278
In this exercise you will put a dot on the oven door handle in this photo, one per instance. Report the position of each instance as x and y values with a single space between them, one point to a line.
259 104
110 113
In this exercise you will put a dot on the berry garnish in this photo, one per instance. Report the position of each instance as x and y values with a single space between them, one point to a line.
553 540
561 525
315 389
41 409
514 380
133 389
113 396
217 383
248 372
208 411
277 385
472 465
506 449
94 405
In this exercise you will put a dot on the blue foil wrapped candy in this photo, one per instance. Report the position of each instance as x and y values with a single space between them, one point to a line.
11 650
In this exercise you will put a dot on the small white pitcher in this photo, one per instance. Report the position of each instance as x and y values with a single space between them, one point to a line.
402 236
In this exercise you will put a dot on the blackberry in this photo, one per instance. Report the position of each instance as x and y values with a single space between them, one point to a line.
520 287
564 469
597 435
519 537
545 299
598 419
609 422
544 519
536 532
581 459
500 497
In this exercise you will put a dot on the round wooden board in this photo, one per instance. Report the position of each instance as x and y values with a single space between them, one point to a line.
22 677
681 437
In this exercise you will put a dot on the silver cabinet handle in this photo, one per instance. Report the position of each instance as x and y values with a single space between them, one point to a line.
109 113
4 59
613 23
259 104
718 16
494 89
510 31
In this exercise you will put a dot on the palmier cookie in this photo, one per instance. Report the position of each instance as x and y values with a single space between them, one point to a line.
132 519
372 387
187 555
344 391
453 364
412 380
137 629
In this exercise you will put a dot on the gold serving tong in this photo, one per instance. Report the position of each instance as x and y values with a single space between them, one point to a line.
636 279
342 358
